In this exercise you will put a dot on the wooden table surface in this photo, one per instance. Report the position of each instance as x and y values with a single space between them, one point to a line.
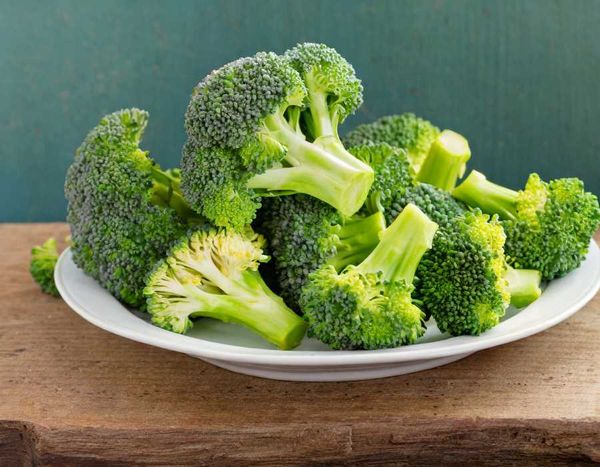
73 394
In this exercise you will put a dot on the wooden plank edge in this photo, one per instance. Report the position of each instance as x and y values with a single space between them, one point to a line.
445 441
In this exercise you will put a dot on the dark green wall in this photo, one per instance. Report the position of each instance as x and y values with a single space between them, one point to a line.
519 78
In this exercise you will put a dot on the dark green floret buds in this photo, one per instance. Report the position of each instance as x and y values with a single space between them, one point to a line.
548 225
213 273
124 211
369 306
405 131
245 140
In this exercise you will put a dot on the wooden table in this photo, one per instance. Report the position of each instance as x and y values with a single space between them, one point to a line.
71 393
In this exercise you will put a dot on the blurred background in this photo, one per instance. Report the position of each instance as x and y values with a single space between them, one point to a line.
520 79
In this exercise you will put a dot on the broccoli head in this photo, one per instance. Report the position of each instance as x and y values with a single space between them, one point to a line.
245 141
213 273
461 279
369 306
124 212
548 225
305 233
41 267
405 131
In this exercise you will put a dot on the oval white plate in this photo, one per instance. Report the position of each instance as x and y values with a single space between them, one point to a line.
232 347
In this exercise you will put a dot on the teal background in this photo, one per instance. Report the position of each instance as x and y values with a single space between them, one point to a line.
519 78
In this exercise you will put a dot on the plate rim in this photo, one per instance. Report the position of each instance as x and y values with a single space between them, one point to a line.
203 348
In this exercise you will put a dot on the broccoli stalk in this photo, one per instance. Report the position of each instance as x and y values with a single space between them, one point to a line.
369 306
214 274
446 161
401 247
523 286
339 179
478 191
548 225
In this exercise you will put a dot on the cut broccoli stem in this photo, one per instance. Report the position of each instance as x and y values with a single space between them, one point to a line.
523 286
401 246
246 301
478 191
446 161
358 237
314 171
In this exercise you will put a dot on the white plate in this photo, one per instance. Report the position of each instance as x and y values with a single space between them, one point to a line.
232 347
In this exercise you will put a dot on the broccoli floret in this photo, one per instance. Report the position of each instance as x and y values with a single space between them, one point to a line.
393 177
305 233
437 204
461 279
212 273
123 210
369 306
446 161
548 225
405 131
41 267
245 141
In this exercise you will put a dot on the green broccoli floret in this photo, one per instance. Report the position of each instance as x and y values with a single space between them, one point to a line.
405 131
446 161
41 267
245 141
123 210
393 177
305 233
369 306
548 225
461 279
212 273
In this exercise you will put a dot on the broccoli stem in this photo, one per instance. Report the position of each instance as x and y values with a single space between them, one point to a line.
523 286
166 191
358 237
401 246
314 171
477 191
446 161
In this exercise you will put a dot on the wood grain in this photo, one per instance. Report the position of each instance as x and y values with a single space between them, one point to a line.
72 394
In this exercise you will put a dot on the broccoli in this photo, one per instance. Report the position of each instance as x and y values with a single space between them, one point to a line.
446 161
369 306
461 279
548 225
212 273
244 141
523 286
405 131
123 210
305 233
393 177
41 267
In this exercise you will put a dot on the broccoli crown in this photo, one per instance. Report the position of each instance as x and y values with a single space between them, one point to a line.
438 204
41 267
119 206
461 279
553 226
393 177
245 141
213 273
327 74
305 233
548 225
405 131
355 310
369 306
